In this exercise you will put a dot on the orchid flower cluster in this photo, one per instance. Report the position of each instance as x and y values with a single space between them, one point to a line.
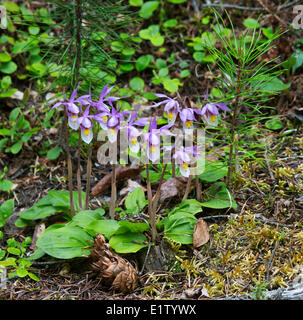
83 110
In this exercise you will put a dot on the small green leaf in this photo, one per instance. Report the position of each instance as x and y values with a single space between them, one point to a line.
136 3
14 251
137 84
176 1
170 23
11 6
251 23
5 57
184 73
85 217
15 148
5 185
6 208
8 67
274 124
33 276
148 8
117 46
143 62
171 85
157 40
33 30
199 56
54 153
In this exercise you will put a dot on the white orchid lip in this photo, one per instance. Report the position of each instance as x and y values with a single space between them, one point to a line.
73 122
87 134
112 134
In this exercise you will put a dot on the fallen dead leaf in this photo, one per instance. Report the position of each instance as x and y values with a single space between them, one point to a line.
39 228
200 234
172 187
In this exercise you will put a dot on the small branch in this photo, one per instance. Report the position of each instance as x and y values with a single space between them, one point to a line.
113 193
79 173
158 192
69 167
88 175
187 190
151 212
269 265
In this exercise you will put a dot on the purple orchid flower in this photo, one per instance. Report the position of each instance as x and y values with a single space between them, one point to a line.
100 105
210 110
172 107
133 132
153 140
187 116
72 110
184 157
86 126
113 123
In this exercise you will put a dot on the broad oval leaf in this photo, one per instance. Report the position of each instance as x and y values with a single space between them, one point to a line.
65 242
128 242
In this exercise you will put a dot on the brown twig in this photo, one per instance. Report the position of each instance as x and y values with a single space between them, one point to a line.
113 192
187 190
79 173
158 192
69 166
151 212
88 175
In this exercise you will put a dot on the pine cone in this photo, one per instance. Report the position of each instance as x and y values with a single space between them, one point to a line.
114 271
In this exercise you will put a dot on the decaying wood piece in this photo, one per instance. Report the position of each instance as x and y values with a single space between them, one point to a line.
121 173
293 292
114 271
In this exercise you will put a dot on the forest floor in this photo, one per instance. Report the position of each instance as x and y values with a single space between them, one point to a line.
257 247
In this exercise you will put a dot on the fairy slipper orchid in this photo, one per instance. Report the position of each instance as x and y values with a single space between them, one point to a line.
187 117
133 132
171 108
86 126
210 112
183 158
153 140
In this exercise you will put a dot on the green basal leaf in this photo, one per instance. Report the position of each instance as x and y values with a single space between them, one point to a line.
135 200
213 171
105 227
179 227
38 212
218 197
65 242
128 242
37 254
85 217
127 226
191 206
15 148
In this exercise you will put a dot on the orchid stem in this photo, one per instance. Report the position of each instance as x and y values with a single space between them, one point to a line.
88 175
151 212
158 192
198 184
69 167
113 193
187 190
79 173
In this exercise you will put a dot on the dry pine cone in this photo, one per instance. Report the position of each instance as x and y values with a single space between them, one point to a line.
113 270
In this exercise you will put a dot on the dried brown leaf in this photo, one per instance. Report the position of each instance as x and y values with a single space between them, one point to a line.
172 187
201 233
